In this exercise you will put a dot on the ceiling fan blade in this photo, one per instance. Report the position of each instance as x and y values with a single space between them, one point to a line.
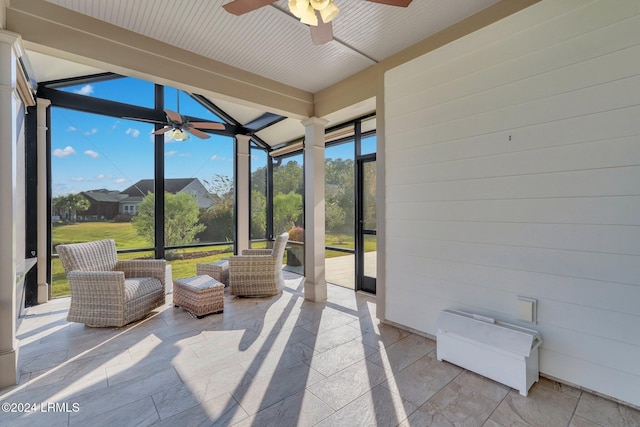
196 132
240 7
163 130
173 116
401 3
321 33
207 125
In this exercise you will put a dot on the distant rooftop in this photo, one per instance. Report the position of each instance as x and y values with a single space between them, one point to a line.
145 186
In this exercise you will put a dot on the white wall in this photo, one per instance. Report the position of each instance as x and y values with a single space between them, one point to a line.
513 168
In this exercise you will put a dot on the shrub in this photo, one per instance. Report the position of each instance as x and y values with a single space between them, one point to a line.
296 234
123 218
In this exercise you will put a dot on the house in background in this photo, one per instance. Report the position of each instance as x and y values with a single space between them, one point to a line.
105 204
134 194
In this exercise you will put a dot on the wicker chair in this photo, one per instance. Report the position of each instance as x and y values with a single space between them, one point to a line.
258 272
108 292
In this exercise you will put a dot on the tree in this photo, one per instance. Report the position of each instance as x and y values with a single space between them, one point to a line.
220 186
181 213
288 178
339 195
287 211
258 215
68 206
218 220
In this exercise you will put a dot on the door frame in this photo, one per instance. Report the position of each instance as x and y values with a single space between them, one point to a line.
363 283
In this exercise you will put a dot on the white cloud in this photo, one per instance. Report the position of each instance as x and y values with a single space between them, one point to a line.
68 150
91 132
216 157
92 154
78 179
72 129
103 176
120 180
85 90
133 132
170 153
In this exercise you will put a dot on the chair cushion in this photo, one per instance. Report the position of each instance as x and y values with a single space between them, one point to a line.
137 287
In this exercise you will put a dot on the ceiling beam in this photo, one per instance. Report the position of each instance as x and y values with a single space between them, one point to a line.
51 29
121 110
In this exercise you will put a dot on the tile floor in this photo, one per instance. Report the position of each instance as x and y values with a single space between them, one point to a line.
278 361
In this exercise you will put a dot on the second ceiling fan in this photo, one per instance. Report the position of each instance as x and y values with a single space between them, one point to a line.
317 14
178 124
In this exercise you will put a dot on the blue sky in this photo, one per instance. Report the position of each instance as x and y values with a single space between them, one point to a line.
92 152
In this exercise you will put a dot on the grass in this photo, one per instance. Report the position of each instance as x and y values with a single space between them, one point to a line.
126 237
122 232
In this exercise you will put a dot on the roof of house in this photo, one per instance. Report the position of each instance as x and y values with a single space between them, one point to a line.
145 186
104 195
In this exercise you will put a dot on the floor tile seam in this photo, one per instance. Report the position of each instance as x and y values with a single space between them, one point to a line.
306 390
333 347
318 330
573 414
494 410
245 387
462 371
261 409
129 381
417 407
357 397
364 357
587 419
155 406
575 407
199 402
238 405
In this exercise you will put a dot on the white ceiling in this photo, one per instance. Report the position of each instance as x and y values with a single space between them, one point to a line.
270 42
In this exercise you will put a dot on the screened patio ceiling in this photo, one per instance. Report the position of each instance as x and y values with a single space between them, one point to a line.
268 42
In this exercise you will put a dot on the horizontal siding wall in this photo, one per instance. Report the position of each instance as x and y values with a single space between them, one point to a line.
513 168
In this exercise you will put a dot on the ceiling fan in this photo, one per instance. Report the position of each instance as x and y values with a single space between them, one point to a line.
178 124
317 14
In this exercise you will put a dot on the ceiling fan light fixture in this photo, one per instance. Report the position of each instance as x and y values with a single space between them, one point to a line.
319 4
298 7
309 16
179 135
329 12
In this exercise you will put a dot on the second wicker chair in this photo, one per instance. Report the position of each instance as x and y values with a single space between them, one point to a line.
258 272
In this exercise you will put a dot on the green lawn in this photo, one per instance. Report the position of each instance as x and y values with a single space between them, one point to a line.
126 238
122 232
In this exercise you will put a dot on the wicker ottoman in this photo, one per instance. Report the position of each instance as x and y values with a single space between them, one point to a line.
199 295
219 270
